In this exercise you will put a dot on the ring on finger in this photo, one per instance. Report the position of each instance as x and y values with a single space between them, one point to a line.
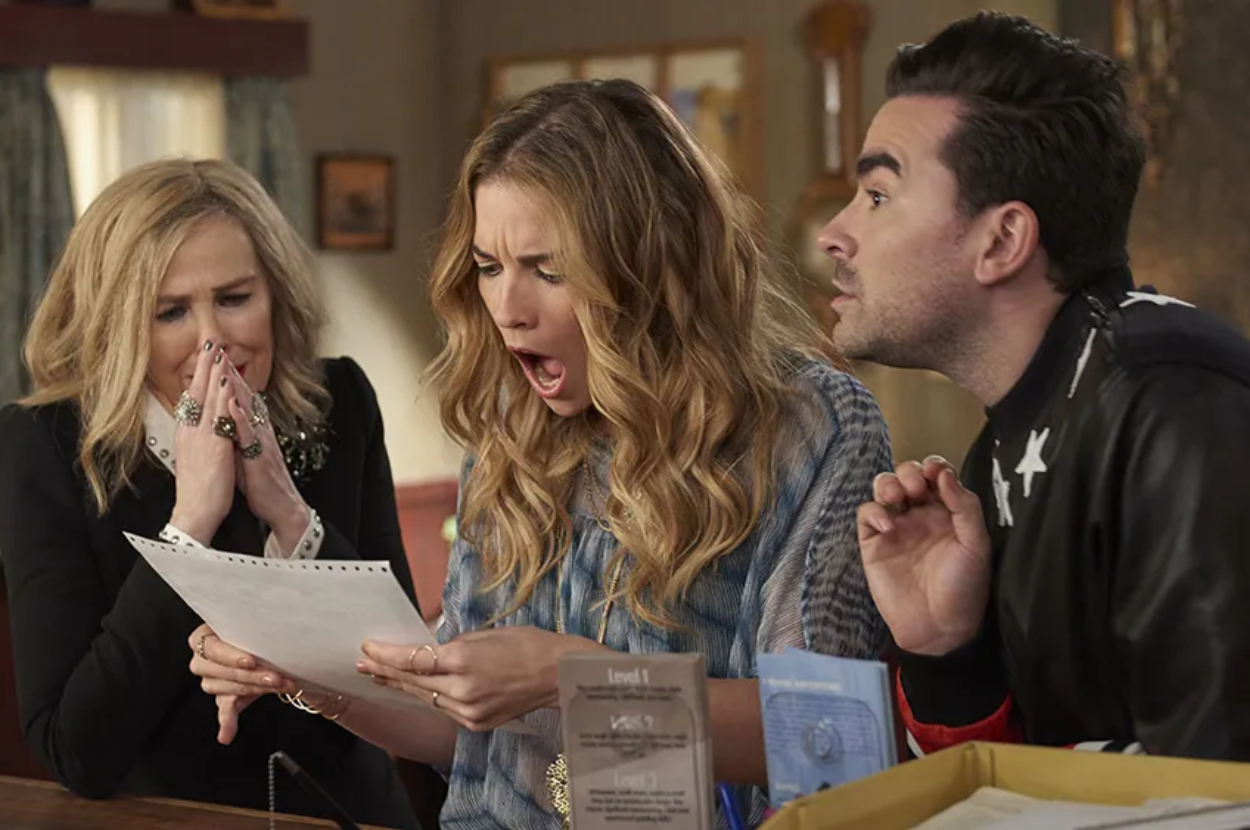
225 427
253 450
434 700
199 646
412 668
189 411
434 655
260 411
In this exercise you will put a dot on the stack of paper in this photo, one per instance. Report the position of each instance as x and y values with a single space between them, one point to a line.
990 808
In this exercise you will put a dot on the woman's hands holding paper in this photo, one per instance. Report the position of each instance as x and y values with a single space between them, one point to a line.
481 679
234 677
237 678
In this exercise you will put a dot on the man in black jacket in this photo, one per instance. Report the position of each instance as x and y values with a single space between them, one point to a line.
1100 597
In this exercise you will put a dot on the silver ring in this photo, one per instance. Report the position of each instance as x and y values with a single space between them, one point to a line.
253 450
189 411
434 700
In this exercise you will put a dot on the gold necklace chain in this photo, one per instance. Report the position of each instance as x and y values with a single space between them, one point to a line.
558 771
608 599
594 496
610 596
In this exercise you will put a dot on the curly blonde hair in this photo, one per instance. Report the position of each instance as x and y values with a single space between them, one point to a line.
690 332
90 339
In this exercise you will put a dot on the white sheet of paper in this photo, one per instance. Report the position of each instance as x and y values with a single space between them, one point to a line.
990 808
307 619
985 807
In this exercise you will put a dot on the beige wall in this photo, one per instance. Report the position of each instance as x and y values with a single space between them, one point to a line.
372 88
406 77
475 30
925 412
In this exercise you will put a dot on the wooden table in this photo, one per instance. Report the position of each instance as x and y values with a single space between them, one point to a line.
39 805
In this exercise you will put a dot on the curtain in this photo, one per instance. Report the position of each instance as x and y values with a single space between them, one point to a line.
36 211
115 119
262 137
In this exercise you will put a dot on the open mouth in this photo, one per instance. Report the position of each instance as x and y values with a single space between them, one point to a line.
545 374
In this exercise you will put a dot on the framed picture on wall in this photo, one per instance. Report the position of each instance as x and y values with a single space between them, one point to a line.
355 205
714 87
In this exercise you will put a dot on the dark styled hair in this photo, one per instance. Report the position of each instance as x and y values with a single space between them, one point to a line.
1045 121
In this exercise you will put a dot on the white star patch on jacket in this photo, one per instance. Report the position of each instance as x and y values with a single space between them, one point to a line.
1032 463
1002 494
1158 299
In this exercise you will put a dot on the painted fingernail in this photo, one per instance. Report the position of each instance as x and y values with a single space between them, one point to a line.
245 663
224 381
208 345
217 359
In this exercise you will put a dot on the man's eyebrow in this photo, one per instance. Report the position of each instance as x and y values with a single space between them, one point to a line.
873 161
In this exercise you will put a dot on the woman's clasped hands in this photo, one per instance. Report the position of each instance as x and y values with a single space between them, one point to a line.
225 440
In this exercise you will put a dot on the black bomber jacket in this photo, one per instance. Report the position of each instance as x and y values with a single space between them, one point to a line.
1115 482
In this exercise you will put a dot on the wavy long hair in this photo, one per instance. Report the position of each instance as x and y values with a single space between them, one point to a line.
90 339
689 331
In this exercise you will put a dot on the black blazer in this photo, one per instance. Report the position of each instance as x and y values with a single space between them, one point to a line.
100 641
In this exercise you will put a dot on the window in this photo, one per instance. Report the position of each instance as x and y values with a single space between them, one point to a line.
114 120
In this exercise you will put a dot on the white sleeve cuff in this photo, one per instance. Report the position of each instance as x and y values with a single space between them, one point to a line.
175 536
308 546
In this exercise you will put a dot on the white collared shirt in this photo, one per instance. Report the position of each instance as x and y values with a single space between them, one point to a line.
159 427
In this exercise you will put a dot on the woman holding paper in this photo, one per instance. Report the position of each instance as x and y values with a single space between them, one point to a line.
177 391
661 457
